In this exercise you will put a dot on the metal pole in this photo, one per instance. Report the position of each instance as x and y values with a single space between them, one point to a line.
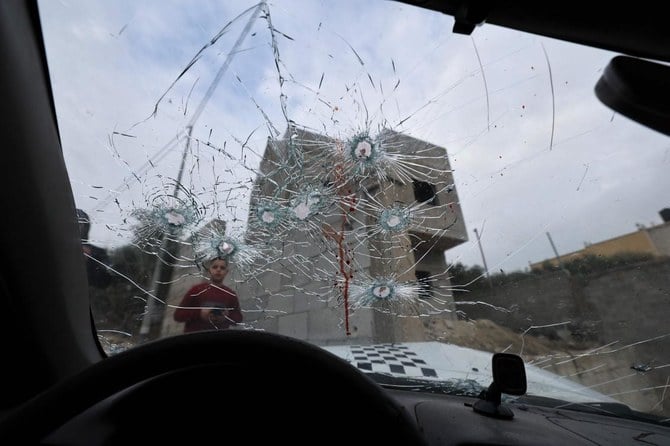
152 323
558 258
155 310
486 268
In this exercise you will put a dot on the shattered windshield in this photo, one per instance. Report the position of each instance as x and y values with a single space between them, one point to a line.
361 177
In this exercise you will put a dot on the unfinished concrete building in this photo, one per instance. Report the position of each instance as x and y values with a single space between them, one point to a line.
342 217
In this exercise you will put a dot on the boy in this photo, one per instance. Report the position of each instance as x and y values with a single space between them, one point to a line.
210 305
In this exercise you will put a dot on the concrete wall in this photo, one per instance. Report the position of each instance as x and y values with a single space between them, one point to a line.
620 317
611 303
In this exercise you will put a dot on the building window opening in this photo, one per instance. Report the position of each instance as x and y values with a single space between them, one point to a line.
425 192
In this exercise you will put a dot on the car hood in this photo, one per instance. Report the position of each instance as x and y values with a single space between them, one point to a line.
441 362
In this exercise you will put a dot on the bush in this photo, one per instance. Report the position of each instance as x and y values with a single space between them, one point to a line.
464 278
591 263
120 305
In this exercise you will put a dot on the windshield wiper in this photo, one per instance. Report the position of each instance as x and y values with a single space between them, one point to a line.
459 387
618 410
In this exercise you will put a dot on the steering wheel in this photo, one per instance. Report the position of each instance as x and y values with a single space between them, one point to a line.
233 385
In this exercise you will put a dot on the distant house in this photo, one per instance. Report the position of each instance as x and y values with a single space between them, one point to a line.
650 240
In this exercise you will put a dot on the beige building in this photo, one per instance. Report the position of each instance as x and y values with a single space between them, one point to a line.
652 240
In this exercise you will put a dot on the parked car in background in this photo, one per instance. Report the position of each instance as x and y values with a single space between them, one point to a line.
445 222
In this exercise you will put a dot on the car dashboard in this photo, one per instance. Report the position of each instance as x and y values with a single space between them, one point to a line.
268 387
439 420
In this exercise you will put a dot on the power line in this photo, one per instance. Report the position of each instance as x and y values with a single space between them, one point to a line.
155 311
167 148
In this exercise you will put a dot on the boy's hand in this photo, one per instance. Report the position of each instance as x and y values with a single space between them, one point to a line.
214 315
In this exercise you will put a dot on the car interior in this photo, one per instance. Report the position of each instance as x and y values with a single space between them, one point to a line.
60 387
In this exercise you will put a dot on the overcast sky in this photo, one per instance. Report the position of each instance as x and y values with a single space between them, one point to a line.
533 151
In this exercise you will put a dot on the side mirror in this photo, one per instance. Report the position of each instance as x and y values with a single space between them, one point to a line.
509 377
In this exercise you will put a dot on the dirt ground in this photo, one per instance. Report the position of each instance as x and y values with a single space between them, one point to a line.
486 335
477 334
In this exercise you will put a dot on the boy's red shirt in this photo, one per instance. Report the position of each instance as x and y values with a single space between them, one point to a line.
206 295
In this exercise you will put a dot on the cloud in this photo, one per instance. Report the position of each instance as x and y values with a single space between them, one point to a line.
533 150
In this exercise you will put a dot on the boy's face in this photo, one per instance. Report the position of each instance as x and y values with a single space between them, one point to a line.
218 270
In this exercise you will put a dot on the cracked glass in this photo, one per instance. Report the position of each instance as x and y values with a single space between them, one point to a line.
359 176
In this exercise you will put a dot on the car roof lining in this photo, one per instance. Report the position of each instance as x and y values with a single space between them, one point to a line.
637 29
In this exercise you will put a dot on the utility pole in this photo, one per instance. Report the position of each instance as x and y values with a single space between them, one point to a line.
486 268
558 257
152 323
155 310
